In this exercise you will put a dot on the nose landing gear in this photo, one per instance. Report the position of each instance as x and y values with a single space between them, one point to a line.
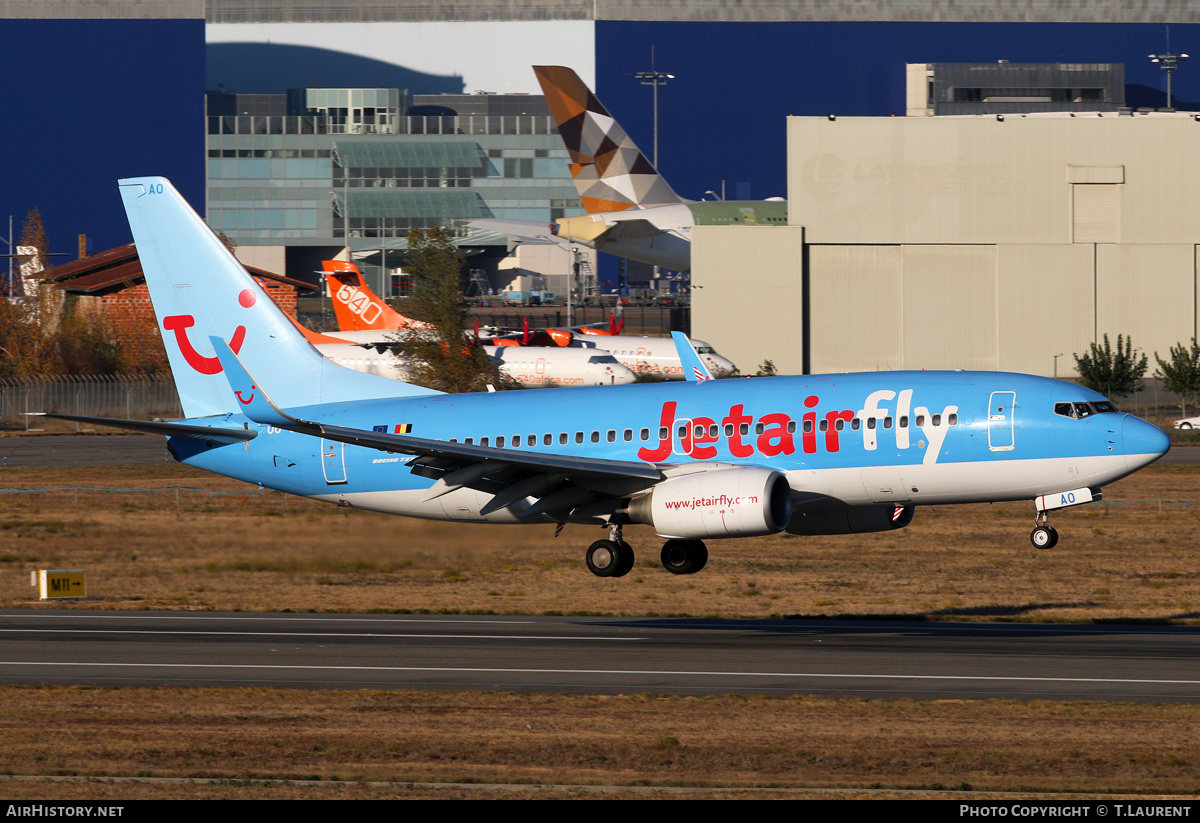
1043 536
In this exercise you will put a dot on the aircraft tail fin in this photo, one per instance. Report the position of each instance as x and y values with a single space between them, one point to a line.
610 173
356 306
200 290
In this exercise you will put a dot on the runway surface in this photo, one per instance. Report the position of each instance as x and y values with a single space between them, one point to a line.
82 450
602 655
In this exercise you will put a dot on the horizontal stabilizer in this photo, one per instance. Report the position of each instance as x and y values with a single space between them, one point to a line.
526 231
205 433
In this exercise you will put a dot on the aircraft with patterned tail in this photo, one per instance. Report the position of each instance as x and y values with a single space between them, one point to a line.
632 211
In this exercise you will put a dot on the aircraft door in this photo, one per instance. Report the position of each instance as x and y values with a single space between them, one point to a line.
1001 421
333 462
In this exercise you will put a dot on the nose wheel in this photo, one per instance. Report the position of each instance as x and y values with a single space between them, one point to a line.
1043 536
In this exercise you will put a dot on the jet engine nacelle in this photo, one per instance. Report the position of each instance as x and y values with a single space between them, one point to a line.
733 502
849 520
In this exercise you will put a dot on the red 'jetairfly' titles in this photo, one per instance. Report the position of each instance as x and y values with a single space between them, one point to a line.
775 438
697 436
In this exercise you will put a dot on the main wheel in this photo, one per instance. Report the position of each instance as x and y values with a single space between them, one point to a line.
626 559
1044 537
606 558
684 556
1184 426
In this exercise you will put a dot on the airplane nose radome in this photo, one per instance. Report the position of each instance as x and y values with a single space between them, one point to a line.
1144 442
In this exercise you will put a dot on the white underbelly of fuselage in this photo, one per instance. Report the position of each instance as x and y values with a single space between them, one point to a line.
973 482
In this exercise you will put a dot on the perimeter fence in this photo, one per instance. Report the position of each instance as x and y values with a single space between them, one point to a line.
141 397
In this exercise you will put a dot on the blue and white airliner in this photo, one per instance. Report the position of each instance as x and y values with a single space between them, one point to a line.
703 459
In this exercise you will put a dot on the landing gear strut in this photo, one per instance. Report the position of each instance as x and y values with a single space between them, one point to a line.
684 556
1043 535
610 558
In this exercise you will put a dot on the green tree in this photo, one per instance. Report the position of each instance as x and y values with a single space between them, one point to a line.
445 360
85 343
1181 374
1116 373
766 369
28 317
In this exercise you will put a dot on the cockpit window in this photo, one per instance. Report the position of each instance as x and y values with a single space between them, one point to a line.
1082 410
602 358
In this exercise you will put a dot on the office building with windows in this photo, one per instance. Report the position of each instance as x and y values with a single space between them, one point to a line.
295 178
939 89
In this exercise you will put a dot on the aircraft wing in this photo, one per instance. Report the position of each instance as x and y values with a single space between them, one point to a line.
631 229
522 230
561 483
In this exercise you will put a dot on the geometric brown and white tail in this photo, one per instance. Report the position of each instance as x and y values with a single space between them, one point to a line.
609 171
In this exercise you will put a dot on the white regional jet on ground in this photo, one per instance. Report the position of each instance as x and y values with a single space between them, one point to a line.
656 356
530 367
363 317
704 459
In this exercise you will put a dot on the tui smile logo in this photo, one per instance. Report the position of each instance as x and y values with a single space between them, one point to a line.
180 323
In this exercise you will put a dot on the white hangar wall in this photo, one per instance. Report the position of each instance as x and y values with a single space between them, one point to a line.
751 308
976 243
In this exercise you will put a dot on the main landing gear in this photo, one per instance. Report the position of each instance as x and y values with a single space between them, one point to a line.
1043 535
614 557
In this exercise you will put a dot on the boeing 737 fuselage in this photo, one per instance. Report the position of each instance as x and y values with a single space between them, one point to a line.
699 460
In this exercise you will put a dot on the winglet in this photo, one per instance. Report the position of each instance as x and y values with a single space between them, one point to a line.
694 369
252 399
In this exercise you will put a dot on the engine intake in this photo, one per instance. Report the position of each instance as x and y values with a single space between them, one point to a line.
731 502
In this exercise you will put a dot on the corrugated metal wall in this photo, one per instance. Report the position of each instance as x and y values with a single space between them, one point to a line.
978 243
865 333
1046 306
1147 292
985 180
748 294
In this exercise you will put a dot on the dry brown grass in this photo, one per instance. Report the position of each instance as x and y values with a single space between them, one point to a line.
642 740
267 551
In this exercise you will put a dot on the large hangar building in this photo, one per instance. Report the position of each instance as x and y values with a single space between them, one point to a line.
987 242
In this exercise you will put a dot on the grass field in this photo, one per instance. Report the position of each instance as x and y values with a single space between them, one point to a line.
228 547
221 545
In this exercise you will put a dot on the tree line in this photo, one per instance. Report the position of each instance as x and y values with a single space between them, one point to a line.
1120 372
44 332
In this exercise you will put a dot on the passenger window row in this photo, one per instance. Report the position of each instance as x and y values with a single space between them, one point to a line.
712 432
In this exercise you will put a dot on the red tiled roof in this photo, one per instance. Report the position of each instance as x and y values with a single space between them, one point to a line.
120 268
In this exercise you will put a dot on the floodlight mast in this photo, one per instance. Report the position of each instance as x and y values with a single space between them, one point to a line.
1168 62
